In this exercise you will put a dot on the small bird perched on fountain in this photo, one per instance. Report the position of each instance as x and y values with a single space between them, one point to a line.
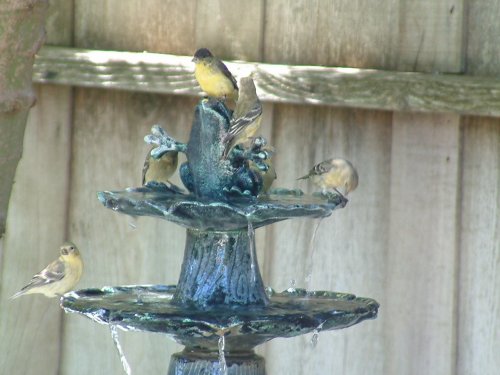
58 277
247 116
334 174
159 170
213 76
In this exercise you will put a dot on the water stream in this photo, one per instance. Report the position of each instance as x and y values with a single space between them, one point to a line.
251 239
315 336
310 256
114 335
222 357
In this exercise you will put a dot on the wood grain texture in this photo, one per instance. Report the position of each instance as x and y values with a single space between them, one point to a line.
429 36
421 318
238 36
35 229
421 277
482 36
317 32
165 26
315 85
479 283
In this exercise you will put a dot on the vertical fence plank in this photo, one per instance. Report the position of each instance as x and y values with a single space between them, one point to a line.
429 36
422 259
479 309
230 28
479 296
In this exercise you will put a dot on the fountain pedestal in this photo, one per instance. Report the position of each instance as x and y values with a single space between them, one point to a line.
219 268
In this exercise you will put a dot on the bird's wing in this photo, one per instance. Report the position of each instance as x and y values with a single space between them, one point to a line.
239 124
50 274
223 68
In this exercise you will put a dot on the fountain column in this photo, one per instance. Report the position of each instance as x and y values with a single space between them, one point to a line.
220 268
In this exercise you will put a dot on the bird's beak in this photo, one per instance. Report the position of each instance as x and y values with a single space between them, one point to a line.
195 59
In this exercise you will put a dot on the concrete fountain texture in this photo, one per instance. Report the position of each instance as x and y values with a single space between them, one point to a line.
220 302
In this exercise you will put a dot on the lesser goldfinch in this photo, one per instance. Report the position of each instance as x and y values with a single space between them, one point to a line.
333 174
58 277
159 170
247 116
213 76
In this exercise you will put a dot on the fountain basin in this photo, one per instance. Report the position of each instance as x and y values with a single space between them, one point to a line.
196 213
150 308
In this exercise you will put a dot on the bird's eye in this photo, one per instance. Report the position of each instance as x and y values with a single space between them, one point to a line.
72 248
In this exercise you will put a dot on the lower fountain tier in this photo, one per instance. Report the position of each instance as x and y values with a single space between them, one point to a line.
150 308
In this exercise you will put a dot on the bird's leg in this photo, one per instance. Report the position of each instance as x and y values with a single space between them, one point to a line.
164 142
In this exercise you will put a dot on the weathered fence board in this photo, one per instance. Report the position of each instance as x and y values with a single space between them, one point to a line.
135 25
479 267
479 282
420 302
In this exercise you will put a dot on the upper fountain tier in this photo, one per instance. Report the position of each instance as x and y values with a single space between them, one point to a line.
224 193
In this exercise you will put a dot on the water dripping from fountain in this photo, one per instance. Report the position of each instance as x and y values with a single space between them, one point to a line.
133 222
315 336
114 336
251 238
310 256
222 357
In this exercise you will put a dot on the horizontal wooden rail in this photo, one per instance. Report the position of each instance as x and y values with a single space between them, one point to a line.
344 87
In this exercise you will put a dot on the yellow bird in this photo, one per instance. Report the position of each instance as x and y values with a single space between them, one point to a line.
213 76
58 277
336 173
247 116
159 170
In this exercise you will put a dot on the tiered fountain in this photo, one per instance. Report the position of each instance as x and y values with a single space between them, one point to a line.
220 304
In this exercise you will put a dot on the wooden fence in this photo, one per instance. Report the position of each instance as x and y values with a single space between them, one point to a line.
417 113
